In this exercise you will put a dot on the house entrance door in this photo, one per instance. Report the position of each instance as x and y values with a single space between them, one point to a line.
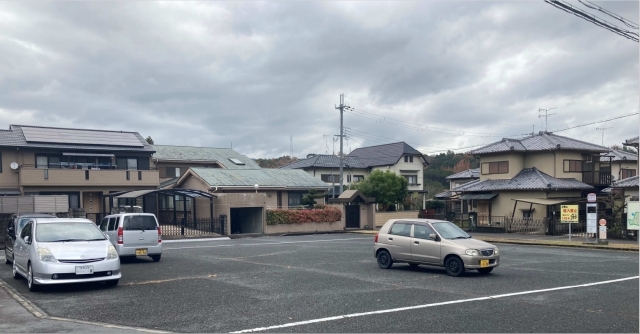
352 216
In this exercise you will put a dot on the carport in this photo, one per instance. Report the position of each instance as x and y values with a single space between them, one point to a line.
246 220
540 201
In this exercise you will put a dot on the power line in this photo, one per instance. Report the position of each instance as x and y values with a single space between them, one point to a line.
614 15
601 121
593 19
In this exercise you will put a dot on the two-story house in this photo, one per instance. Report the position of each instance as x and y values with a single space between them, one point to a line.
532 176
83 164
327 168
463 177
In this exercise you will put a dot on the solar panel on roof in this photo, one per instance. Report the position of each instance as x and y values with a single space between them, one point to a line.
65 136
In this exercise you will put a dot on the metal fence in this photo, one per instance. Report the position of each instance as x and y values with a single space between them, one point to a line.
199 226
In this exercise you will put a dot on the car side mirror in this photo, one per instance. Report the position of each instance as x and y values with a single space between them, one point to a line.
27 240
433 236
10 231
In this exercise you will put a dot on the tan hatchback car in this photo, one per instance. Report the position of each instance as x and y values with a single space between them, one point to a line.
433 242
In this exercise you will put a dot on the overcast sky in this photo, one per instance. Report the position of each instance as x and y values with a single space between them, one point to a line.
437 75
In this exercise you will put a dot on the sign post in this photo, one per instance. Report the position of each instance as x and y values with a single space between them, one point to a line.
569 215
603 229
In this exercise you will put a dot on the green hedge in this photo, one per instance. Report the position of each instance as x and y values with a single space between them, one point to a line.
326 215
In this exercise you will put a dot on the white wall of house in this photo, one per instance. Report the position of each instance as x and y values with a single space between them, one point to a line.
458 182
318 172
403 168
617 166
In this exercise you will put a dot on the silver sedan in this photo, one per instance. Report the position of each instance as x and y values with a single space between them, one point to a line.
64 250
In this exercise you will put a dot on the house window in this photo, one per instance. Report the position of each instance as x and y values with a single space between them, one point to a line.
358 178
411 158
412 179
349 178
573 166
497 167
295 198
173 171
131 163
527 214
330 178
625 173
408 158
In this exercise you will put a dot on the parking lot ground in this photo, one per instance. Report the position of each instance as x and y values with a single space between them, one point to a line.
286 284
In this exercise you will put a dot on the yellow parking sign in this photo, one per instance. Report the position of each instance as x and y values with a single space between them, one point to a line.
569 214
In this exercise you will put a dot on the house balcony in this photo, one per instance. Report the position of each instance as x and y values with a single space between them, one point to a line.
597 178
31 176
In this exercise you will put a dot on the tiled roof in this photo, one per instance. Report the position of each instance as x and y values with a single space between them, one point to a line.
444 194
290 178
544 141
527 179
384 155
463 187
202 154
619 155
467 174
629 182
633 141
168 182
327 161
14 137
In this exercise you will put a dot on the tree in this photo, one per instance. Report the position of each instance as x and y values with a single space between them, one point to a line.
432 187
149 140
387 187
310 199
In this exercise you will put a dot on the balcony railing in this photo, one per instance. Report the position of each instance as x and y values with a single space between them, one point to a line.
31 176
597 178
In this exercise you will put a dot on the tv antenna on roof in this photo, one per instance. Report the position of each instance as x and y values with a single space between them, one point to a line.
546 116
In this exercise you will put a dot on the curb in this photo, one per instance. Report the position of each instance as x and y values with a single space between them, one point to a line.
38 313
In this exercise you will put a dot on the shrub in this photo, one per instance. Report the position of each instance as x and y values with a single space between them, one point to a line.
326 215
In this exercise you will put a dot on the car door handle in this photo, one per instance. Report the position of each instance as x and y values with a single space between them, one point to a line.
390 239
416 243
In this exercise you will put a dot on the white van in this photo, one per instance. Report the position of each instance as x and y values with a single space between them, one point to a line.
134 234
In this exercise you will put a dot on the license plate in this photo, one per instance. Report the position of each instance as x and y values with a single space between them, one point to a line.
484 263
141 251
84 270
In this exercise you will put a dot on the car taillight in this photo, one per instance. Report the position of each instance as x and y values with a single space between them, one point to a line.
120 238
159 234
376 238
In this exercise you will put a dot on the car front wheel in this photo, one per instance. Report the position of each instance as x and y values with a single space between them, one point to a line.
30 282
16 275
454 266
384 259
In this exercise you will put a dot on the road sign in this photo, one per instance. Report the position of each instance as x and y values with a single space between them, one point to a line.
591 198
633 216
603 232
592 218
569 214
602 222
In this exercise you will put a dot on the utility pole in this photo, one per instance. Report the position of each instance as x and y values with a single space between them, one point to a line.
341 108
602 129
546 116
291 147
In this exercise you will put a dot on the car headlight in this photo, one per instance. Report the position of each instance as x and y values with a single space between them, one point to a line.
496 251
472 252
45 255
112 253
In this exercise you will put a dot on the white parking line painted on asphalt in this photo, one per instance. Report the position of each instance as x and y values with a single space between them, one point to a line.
171 241
409 308
273 243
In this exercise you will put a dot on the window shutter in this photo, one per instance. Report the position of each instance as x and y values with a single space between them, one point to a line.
503 167
493 168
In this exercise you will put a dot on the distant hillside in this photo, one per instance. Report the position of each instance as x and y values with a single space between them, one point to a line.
443 165
275 162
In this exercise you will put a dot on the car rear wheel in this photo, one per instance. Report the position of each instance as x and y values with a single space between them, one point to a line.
454 266
6 258
30 283
156 258
113 282
384 259
485 271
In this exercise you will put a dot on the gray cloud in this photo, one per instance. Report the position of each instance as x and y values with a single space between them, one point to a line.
213 73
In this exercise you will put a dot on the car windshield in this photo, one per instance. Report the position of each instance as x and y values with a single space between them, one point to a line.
68 231
450 231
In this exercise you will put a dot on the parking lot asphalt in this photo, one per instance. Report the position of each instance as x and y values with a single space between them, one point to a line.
331 283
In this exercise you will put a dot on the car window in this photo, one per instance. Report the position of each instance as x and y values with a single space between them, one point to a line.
21 223
68 231
103 224
26 231
448 230
402 229
139 223
113 223
422 231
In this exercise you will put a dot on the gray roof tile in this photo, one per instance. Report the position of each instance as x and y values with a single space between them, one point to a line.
14 137
290 178
629 182
633 141
544 141
527 179
202 154
327 161
619 155
384 155
467 174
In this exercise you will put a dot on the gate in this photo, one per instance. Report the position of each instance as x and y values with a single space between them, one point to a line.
200 226
352 216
